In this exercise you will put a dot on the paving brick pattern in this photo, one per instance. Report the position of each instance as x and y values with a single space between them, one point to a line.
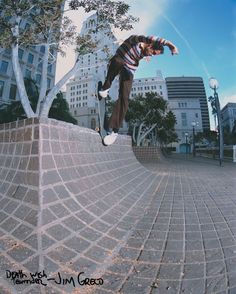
147 153
186 240
71 205
67 202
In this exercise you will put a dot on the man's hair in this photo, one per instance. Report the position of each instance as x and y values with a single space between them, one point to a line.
158 46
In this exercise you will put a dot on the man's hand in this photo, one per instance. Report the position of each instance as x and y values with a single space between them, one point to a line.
174 50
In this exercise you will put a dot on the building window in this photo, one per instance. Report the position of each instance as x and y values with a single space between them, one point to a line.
30 58
4 66
93 123
184 119
40 64
27 73
27 26
196 115
48 83
12 94
20 53
42 49
50 68
38 79
1 88
7 51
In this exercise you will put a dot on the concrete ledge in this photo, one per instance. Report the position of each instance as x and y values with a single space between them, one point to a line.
67 202
147 153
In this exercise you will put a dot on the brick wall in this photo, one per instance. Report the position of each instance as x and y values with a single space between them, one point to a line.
144 153
66 201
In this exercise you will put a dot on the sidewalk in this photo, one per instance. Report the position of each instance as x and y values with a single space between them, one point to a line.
186 240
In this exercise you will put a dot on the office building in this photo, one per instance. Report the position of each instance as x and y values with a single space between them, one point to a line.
30 59
190 88
228 114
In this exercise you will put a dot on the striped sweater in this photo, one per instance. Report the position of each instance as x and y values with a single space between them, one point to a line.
130 51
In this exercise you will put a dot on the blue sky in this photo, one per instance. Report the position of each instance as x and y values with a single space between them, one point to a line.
203 30
205 33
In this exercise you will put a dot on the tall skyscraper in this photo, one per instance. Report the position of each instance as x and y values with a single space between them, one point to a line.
81 91
185 88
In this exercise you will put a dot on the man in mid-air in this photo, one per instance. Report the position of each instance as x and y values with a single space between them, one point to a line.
125 62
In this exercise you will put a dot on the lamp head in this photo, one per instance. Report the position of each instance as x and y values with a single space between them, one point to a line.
213 83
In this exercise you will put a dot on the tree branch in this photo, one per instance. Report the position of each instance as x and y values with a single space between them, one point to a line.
147 132
52 93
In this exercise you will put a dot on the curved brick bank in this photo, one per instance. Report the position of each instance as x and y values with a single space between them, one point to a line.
70 205
67 202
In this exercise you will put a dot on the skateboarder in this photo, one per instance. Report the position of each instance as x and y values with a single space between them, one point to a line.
125 62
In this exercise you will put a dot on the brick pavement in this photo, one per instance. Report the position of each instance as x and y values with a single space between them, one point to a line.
168 227
186 240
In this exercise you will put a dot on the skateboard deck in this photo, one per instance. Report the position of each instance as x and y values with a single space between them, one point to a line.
102 117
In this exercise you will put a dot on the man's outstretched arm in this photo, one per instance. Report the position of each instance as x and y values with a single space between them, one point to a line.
135 39
171 46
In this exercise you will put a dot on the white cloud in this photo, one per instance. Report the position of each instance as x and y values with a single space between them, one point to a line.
148 13
227 99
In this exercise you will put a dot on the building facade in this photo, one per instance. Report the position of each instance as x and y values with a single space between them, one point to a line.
228 115
30 59
188 101
81 91
31 66
150 84
190 88
188 121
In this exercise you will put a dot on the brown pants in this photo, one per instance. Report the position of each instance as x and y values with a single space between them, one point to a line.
116 66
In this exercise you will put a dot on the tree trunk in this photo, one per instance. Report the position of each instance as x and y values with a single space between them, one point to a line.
43 83
139 135
133 135
20 83
142 137
53 92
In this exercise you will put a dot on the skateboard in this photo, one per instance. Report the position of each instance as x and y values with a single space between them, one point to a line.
102 115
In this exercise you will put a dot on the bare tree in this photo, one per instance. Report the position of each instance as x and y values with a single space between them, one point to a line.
50 28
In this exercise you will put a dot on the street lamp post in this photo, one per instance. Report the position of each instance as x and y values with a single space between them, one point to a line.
213 83
194 150
186 143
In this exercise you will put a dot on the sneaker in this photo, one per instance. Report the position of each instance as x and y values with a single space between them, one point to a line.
104 93
110 139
